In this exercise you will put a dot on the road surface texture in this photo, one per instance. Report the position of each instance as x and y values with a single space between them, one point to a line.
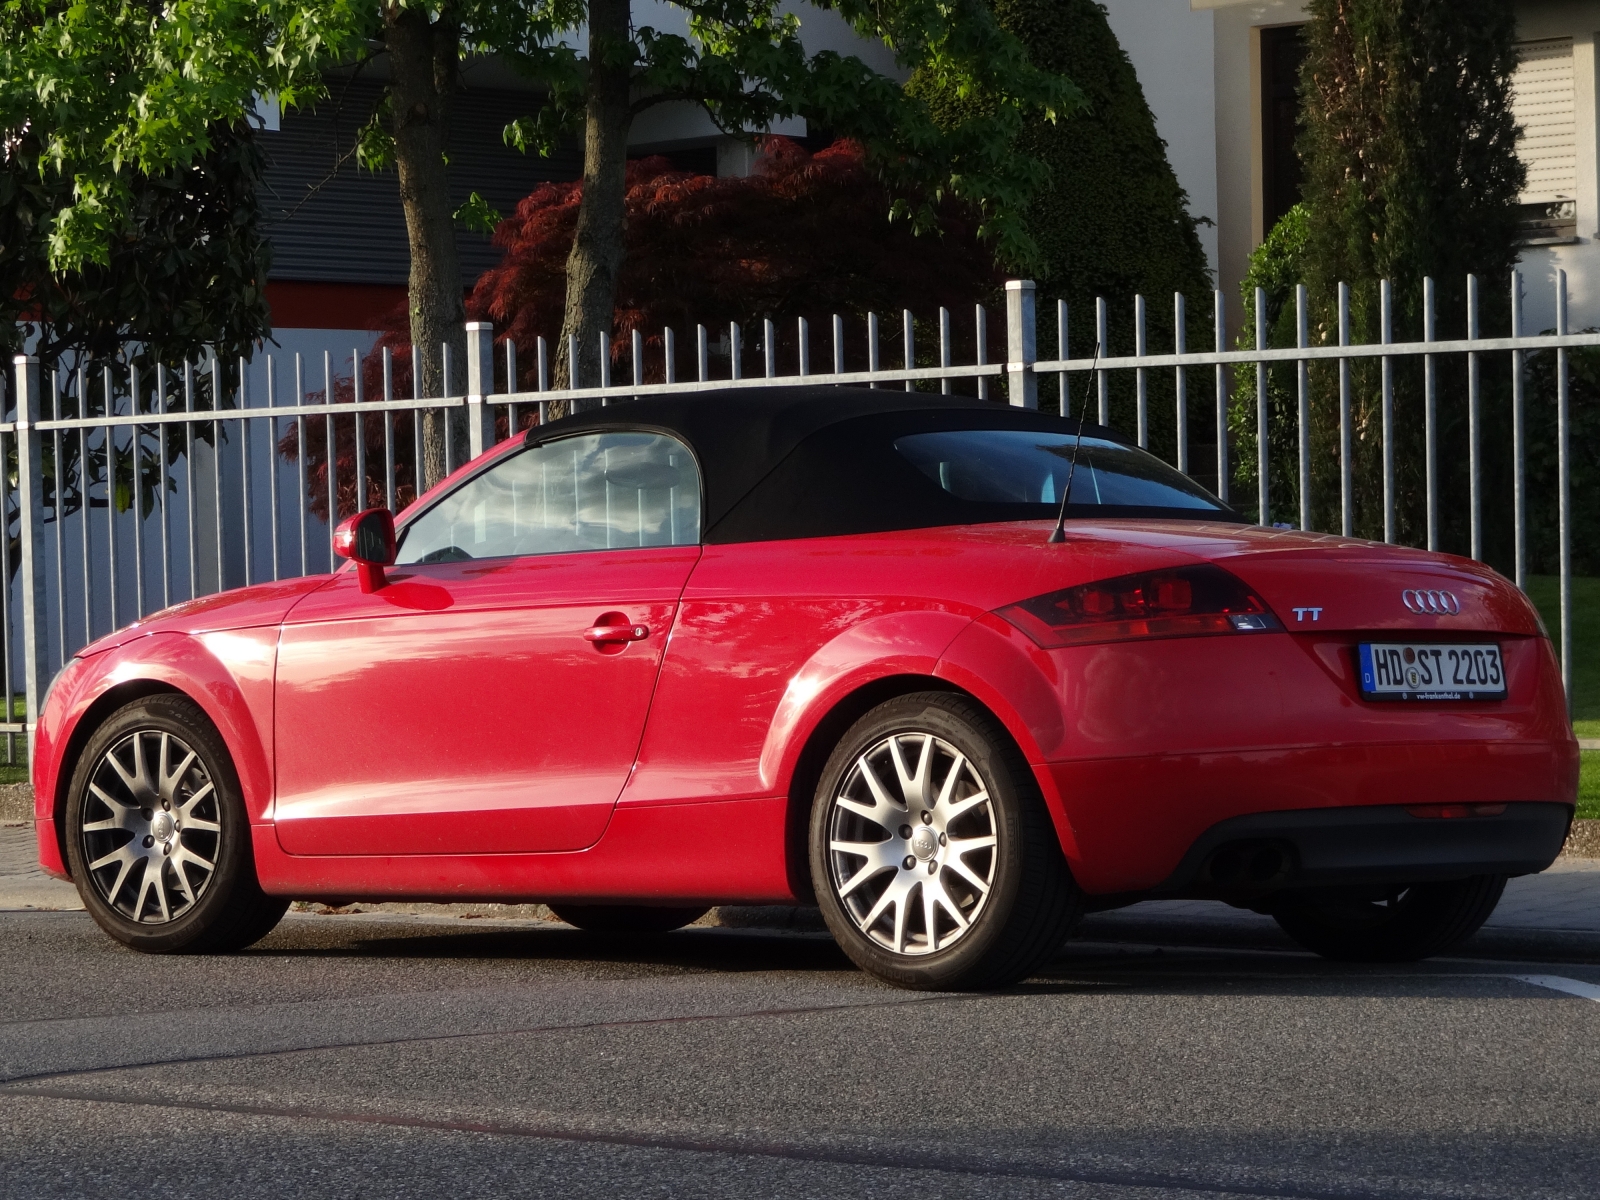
1178 1050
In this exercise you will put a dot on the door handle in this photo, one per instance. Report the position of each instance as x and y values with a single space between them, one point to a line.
600 634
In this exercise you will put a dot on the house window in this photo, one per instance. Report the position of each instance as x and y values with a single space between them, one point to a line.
1283 49
1542 102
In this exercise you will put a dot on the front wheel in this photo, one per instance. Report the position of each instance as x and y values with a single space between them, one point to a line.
934 861
1415 922
157 837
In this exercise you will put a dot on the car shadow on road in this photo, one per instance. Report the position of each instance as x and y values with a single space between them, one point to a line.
696 949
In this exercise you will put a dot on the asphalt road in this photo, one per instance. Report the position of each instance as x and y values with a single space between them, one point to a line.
384 1055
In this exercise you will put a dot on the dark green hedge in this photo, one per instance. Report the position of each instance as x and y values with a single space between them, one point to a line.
1113 220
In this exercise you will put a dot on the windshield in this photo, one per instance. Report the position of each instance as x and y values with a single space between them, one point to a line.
1022 466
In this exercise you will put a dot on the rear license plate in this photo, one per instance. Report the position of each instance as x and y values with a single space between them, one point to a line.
1431 671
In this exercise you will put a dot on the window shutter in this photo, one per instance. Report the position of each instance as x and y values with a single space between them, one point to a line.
1543 106
1542 103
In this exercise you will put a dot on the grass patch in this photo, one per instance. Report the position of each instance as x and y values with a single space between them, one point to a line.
1589 787
1544 591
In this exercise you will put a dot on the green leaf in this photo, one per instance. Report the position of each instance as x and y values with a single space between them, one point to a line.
477 215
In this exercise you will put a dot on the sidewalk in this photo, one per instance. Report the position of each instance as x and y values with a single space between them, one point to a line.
22 884
1556 912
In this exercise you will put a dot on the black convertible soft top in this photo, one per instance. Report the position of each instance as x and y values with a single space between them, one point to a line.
820 461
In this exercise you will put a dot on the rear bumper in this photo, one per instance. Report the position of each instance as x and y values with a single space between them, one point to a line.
1367 846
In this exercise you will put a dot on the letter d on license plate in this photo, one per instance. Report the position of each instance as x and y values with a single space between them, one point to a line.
1431 671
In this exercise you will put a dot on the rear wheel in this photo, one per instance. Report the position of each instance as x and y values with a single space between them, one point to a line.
627 918
1416 922
934 861
157 837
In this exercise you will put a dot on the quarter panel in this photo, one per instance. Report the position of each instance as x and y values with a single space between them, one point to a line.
766 634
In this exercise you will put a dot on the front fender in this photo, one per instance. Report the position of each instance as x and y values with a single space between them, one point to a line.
229 674
890 644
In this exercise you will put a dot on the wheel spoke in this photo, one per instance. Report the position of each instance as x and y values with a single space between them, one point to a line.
141 769
157 867
171 778
870 812
896 891
124 855
881 798
952 811
941 899
108 799
179 857
200 794
131 782
147 882
960 846
200 825
902 910
949 784
120 854
957 865
116 822
913 784
868 870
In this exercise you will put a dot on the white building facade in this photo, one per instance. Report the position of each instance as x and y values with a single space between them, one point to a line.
1215 74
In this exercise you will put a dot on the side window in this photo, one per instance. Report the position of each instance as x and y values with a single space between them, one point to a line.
594 491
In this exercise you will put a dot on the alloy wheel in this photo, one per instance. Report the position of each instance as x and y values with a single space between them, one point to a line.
912 843
152 827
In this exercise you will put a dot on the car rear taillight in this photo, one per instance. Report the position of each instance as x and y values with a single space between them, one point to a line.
1181 602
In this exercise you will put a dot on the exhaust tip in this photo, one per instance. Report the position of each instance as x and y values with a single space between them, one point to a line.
1248 865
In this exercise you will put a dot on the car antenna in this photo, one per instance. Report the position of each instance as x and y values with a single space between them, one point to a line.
1059 533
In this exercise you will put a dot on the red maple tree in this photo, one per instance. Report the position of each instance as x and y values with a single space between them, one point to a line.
805 235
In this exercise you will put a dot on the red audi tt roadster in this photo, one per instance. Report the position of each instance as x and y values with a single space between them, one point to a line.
822 645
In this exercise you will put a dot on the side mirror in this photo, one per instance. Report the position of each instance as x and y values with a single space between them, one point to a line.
367 539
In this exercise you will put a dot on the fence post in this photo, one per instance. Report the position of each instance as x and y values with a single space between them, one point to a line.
1263 444
480 382
1564 492
1022 347
30 502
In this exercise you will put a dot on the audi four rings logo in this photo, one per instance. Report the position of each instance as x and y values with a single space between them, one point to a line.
1437 603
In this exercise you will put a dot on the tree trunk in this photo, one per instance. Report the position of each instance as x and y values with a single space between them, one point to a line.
425 59
596 257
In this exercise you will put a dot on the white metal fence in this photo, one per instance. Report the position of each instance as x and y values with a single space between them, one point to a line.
130 493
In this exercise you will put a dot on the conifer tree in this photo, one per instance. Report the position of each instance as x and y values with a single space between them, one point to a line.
1113 220
1409 154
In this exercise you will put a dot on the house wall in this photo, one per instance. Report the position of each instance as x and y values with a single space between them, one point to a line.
1237 131
1172 50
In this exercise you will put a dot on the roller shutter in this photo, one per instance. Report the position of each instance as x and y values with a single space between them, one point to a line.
1542 102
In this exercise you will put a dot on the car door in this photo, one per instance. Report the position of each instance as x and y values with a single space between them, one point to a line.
491 697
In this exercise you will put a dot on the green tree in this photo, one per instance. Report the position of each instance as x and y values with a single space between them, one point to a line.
742 61
1409 152
183 278
1113 220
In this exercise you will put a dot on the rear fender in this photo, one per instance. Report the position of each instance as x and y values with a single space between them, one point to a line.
1020 684
883 647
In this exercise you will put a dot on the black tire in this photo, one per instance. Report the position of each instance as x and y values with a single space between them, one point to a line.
1031 901
164 901
1418 922
627 918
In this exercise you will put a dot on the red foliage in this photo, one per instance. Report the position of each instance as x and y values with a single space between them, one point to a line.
807 235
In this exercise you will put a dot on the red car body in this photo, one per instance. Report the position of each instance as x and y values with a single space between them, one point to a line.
455 736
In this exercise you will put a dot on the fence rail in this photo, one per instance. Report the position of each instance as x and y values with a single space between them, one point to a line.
155 495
